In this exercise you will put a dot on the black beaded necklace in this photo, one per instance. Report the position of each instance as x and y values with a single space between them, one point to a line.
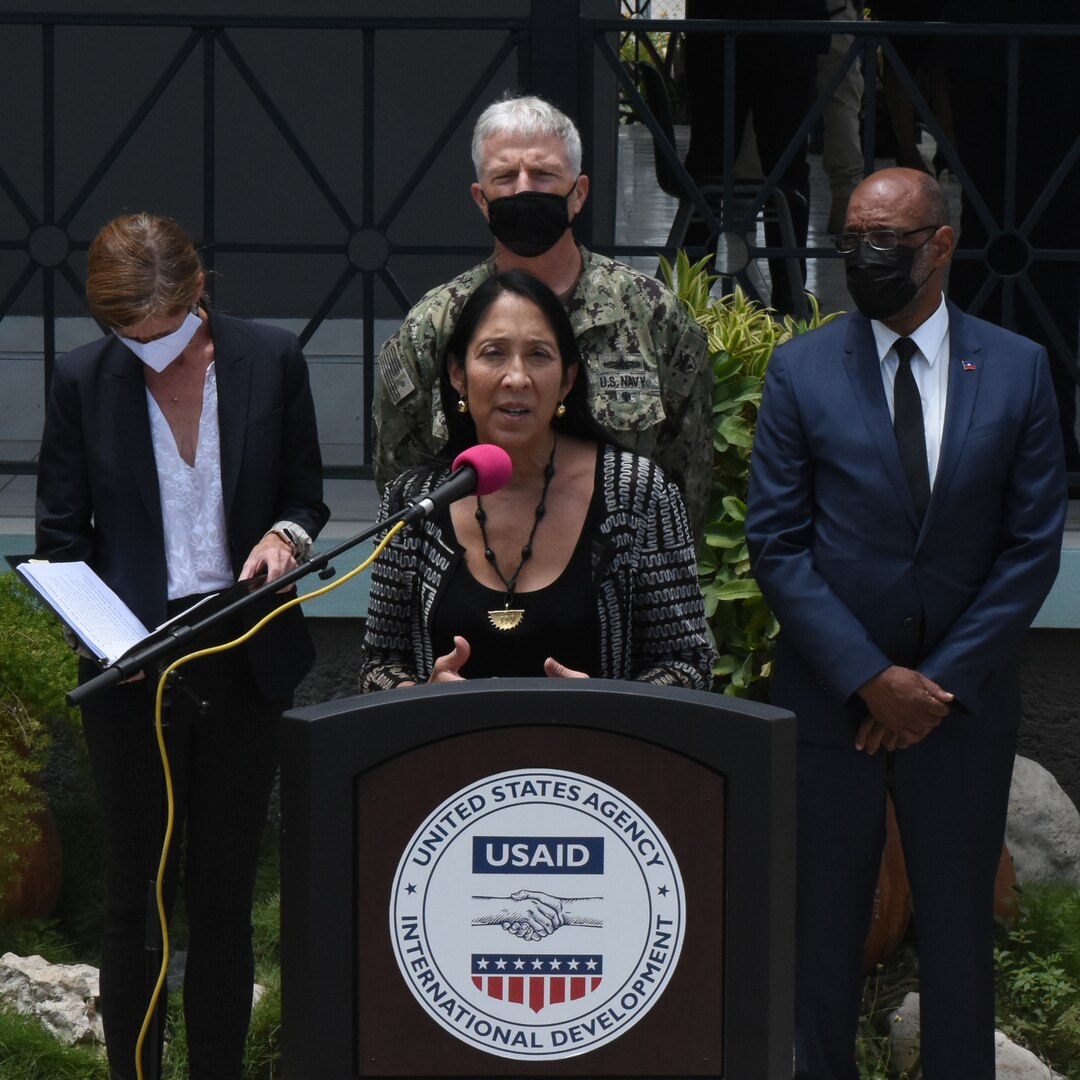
507 618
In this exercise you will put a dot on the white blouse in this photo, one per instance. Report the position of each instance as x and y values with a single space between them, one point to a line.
192 505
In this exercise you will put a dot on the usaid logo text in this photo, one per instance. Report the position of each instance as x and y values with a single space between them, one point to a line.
537 914
538 855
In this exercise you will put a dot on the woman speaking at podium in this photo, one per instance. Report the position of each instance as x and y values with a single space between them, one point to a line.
581 565
179 454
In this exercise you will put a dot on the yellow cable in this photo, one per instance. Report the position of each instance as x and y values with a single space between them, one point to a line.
169 796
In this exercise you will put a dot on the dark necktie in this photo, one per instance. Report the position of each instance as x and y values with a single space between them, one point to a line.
908 426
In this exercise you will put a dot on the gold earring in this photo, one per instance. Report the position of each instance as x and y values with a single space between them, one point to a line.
561 410
463 405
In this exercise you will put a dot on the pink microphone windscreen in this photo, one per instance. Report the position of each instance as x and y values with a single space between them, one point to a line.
492 464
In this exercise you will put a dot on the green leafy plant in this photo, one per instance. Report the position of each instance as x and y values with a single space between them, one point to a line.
36 669
1037 964
742 336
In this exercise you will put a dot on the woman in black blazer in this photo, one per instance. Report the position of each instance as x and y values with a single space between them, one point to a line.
179 454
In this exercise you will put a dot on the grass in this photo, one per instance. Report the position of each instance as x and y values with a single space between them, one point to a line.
28 1052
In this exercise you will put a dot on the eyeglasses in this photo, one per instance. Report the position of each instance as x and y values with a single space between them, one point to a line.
847 243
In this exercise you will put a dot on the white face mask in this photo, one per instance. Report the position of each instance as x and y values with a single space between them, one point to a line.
161 352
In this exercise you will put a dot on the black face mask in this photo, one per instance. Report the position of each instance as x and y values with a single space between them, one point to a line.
530 222
880 282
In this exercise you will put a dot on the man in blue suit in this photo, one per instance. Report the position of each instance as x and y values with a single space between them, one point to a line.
907 499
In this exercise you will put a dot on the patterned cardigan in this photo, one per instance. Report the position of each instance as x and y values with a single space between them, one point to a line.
650 613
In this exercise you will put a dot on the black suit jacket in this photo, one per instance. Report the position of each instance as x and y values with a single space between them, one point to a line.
98 497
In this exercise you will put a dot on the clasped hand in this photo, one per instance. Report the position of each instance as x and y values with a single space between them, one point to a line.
532 916
447 668
905 706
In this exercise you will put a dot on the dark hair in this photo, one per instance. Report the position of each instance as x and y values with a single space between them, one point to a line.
578 420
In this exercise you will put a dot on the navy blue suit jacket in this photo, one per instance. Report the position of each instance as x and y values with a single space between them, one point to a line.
856 582
98 497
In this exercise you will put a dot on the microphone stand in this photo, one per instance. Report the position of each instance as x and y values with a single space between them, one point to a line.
156 656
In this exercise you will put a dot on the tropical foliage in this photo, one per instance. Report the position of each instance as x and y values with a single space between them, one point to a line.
742 336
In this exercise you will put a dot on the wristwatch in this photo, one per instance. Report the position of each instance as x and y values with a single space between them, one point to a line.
293 535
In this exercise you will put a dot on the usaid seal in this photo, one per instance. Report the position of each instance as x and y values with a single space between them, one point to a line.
537 914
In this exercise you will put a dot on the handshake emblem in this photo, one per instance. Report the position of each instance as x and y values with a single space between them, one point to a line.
532 915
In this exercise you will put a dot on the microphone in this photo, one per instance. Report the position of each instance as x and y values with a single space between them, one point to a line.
480 470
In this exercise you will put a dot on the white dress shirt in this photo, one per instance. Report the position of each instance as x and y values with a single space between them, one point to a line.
930 366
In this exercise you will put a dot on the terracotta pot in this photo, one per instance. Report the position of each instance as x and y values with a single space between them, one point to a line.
892 905
36 889
1005 895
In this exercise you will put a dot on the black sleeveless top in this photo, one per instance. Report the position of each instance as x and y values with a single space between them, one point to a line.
560 619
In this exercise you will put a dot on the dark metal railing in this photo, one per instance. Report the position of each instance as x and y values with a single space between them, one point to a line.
1012 244
48 236
47 231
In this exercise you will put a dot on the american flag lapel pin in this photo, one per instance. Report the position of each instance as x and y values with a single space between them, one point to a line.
967 365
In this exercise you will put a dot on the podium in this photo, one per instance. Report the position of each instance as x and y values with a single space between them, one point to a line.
519 877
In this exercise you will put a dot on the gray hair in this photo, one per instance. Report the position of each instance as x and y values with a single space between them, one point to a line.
526 116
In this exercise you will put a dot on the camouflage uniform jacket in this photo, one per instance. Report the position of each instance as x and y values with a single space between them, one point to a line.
647 362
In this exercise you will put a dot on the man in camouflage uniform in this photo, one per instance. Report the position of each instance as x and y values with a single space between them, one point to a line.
646 359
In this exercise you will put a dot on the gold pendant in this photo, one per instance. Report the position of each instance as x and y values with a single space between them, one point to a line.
506 618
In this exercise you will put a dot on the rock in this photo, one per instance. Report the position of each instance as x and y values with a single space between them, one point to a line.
904 1034
64 997
1043 830
1016 1063
1013 1062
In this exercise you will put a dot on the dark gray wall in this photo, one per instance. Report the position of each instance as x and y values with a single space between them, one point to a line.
337 660
1050 733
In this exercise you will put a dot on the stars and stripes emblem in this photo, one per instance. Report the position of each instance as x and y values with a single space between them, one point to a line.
967 365
537 980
